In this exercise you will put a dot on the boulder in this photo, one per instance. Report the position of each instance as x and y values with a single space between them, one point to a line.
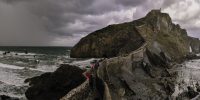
53 86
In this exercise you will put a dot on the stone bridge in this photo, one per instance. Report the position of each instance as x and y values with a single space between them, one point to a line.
82 91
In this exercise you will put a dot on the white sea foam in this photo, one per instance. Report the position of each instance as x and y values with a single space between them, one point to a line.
188 75
9 74
198 54
45 68
10 66
9 77
28 54
42 68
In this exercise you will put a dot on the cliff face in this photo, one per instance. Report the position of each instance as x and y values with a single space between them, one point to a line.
164 36
108 42
156 29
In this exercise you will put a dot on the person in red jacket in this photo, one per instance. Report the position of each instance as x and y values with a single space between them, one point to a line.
89 77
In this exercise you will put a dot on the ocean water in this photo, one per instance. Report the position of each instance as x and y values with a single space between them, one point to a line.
20 63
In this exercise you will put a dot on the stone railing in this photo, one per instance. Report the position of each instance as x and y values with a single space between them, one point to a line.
138 54
78 93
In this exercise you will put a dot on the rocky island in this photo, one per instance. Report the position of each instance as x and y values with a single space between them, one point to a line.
140 60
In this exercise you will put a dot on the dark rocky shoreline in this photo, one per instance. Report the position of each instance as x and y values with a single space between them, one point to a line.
53 86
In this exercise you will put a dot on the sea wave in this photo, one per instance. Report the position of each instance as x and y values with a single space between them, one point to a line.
83 63
10 66
42 68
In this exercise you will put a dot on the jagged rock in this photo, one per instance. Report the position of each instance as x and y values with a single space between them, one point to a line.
53 86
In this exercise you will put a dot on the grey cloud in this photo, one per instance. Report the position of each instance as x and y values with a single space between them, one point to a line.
72 9
130 2
186 13
167 3
44 22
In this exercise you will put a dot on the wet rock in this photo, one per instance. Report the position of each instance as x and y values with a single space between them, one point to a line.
53 86
183 96
4 97
191 56
198 87
187 95
191 92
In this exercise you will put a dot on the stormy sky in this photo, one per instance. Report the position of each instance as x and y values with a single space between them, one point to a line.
64 22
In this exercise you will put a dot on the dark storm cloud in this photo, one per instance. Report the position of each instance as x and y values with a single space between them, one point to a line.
64 22
58 14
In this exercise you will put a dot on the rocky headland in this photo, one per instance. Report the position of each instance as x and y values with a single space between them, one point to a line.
140 60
